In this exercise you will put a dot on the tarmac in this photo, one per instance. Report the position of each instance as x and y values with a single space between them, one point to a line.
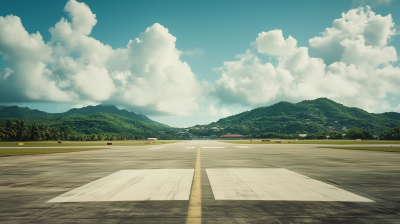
202 182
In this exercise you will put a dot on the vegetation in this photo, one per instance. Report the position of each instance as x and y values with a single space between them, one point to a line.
18 130
19 112
92 127
391 134
78 144
319 119
357 133
310 116
23 112
325 135
317 142
32 151
109 109
386 149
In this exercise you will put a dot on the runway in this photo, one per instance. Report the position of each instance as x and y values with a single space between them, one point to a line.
207 181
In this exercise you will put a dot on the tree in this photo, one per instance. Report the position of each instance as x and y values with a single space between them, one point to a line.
357 133
20 129
93 137
35 132
10 129
391 134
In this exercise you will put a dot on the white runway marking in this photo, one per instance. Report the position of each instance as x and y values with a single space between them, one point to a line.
273 184
134 185
242 147
213 147
156 148
190 147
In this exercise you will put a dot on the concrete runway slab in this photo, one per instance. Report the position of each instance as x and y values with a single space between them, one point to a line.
27 183
273 184
134 185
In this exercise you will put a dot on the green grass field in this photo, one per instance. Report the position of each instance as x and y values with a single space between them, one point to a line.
30 151
84 143
330 142
386 148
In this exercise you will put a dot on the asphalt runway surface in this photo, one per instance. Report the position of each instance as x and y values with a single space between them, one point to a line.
202 182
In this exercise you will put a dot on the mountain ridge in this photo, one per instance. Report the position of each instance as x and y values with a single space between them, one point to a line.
23 112
307 116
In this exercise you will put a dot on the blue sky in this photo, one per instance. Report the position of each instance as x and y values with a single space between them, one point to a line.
192 89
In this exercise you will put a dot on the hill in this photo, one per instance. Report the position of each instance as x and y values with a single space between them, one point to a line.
109 109
19 112
23 112
101 123
308 116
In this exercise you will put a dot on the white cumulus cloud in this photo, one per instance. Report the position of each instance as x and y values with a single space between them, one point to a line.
354 65
273 43
376 31
148 75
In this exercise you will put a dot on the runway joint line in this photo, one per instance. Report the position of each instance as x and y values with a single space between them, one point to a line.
194 211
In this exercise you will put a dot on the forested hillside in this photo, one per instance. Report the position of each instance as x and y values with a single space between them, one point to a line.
309 116
22 112
100 123
18 112
109 109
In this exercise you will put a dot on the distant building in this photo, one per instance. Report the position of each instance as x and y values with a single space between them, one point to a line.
302 135
152 139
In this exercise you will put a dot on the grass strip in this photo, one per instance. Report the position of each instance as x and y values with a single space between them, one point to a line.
28 151
330 142
83 143
382 148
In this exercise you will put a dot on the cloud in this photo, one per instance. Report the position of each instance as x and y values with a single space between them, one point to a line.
360 72
147 75
376 30
372 2
273 43
215 111
27 55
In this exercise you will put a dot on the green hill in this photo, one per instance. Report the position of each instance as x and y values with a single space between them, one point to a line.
308 116
23 112
101 123
19 112
109 109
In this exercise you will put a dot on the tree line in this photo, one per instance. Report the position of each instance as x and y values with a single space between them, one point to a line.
18 130
391 134
354 133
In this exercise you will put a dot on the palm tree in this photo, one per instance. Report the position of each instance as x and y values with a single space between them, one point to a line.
35 132
65 132
20 129
3 133
54 133
10 128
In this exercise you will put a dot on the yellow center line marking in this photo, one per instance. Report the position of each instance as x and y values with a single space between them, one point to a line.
194 212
